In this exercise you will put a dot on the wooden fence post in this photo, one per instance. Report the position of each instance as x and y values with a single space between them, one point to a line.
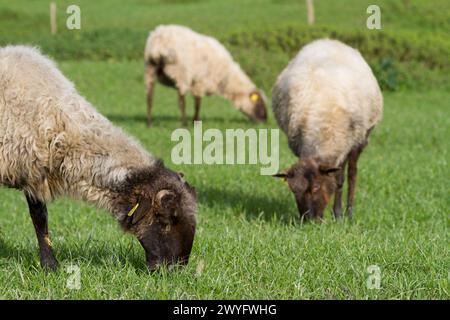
53 27
310 10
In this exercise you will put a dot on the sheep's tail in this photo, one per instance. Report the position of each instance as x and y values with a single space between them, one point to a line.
158 50
152 61
158 54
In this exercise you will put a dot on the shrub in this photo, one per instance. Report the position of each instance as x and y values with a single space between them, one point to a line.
264 53
431 50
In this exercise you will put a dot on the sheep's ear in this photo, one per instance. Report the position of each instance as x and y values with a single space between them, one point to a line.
280 175
325 169
166 201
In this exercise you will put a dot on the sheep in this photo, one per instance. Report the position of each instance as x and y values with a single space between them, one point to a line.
178 57
53 143
326 101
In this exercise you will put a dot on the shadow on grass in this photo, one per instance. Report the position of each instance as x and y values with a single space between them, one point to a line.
254 206
161 121
7 251
99 253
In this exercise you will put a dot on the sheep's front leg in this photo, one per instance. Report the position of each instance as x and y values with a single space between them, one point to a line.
182 104
197 103
38 212
340 178
149 82
352 173
149 104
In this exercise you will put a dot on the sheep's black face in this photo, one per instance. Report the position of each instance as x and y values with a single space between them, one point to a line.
252 105
259 106
312 185
162 215
167 241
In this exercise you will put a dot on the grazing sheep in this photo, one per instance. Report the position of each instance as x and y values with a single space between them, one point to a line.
327 101
53 142
179 57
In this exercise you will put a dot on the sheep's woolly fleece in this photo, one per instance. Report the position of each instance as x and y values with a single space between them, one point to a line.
325 100
52 141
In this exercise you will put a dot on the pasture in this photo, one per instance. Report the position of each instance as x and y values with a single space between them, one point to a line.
250 243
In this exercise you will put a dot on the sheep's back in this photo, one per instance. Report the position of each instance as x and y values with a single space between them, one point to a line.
44 121
326 99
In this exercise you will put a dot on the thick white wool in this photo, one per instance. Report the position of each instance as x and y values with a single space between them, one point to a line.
52 141
326 100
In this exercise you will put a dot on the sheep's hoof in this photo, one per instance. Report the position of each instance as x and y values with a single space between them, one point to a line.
304 218
49 265
350 212
337 213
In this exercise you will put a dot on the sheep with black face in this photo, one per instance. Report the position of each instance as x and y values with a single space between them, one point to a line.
53 143
327 101
161 214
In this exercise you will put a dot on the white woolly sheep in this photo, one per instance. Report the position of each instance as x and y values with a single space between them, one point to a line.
53 142
179 57
327 101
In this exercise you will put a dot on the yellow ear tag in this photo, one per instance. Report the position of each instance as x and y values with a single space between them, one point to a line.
133 209
283 180
48 241
254 97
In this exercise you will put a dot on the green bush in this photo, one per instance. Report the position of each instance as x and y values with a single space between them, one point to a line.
386 73
101 44
433 51
263 54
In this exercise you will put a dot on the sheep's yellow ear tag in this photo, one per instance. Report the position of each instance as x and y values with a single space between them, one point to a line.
130 213
254 97
48 241
282 176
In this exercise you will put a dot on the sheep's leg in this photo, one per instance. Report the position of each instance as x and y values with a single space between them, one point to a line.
182 104
352 173
38 212
149 105
149 81
197 103
340 178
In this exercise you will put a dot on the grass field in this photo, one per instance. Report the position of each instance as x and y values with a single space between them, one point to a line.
249 242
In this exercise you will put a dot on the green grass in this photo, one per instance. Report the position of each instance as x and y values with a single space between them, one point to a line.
249 240
224 16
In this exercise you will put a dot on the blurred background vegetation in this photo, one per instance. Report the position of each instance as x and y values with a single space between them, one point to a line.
410 51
